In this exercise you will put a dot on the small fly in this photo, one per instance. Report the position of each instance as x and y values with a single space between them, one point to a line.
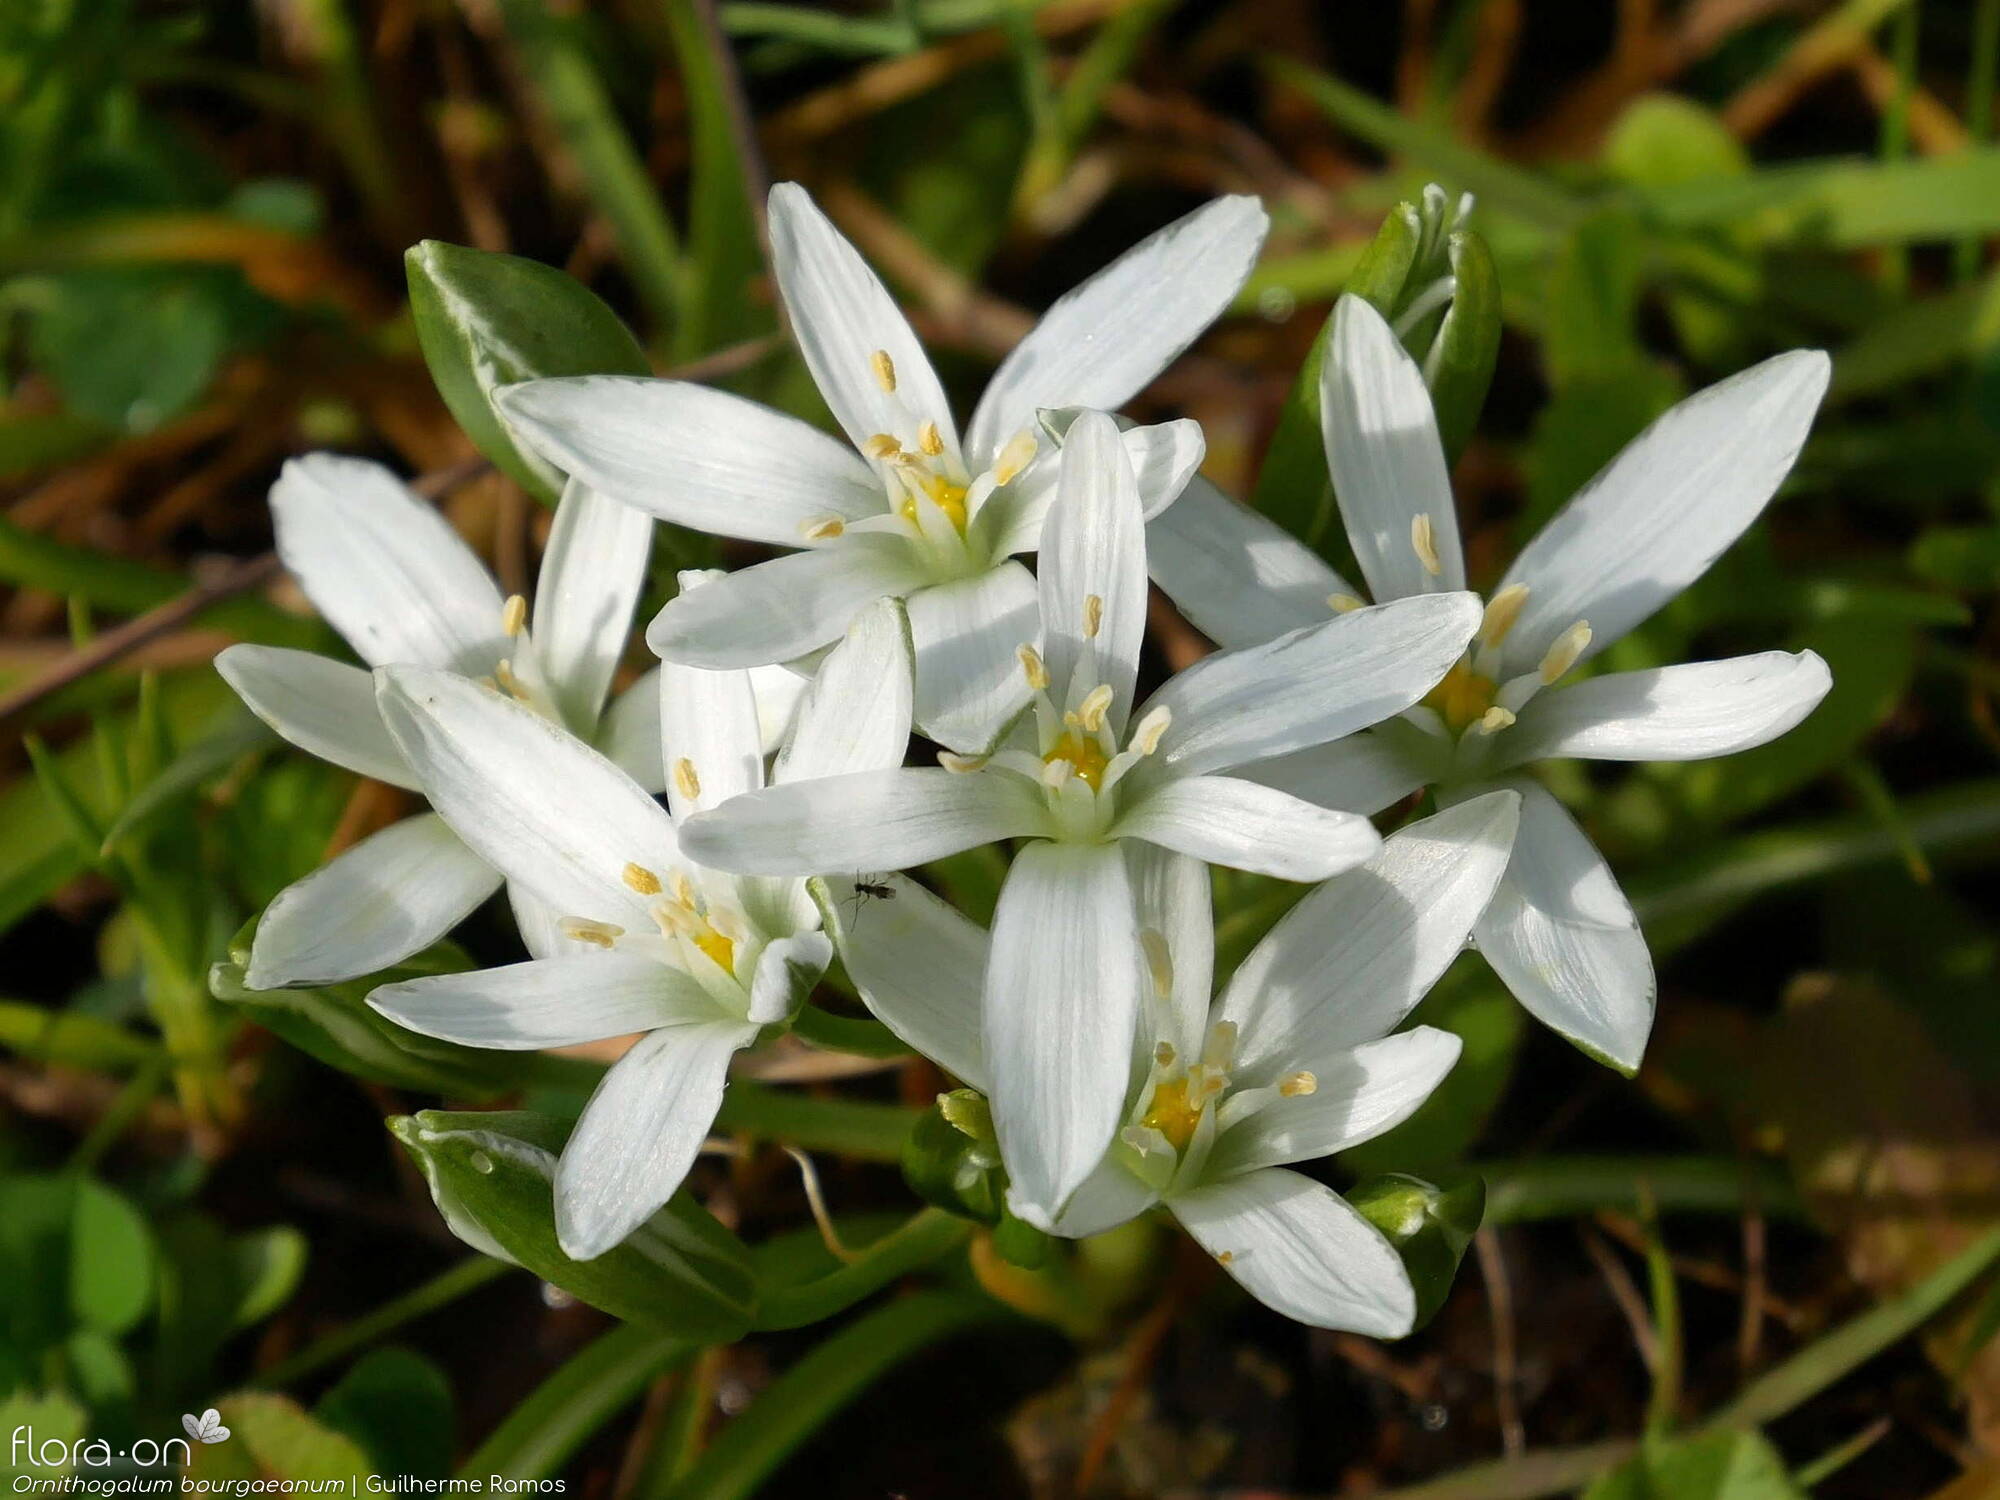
865 890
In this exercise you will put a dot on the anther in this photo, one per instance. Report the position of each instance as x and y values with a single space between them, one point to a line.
597 934
1096 704
1164 1054
1034 668
1093 615
1016 456
1224 1257
1160 968
684 891
1502 610
885 371
1494 720
1564 654
823 530
1344 604
686 782
1056 772
1298 1085
1423 537
1146 738
930 439
883 446
639 878
513 615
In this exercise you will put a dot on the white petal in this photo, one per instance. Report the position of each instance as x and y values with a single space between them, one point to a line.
384 567
1093 569
326 708
1111 1195
1174 897
968 636
1300 1250
640 1132
780 690
918 963
1363 773
629 733
1105 339
699 458
1227 821
1671 713
1351 960
1383 451
710 736
841 315
1240 579
856 713
787 970
1311 686
540 928
1062 1003
1165 460
393 894
1359 1094
786 607
535 802
557 1002
867 820
1666 507
1563 938
592 571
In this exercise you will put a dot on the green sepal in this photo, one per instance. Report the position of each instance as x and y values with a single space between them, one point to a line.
952 1158
492 1177
486 320
1020 1243
1430 1227
1460 367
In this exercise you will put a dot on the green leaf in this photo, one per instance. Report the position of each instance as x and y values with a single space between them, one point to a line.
486 320
190 770
74 1254
396 1405
73 1039
1844 204
57 1423
131 347
267 1265
1664 139
111 1260
491 1176
1713 1466
1430 1227
270 1437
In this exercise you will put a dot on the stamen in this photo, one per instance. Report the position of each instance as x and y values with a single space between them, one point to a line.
1344 604
1298 1085
1160 966
1423 537
513 615
686 782
1224 1257
597 934
1057 771
503 673
823 530
639 878
684 891
930 439
1563 655
1502 610
1096 704
1016 456
1494 720
1146 737
1034 668
1093 615
1164 1054
885 371
951 760
882 446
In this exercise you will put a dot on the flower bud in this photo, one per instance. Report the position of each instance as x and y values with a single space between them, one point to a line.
1430 1227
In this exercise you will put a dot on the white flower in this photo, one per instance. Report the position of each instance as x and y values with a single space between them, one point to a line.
698 960
1293 1061
916 512
389 573
1084 779
1560 933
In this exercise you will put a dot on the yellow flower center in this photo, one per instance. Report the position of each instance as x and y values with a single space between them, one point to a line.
1173 1113
948 497
1463 697
717 947
1085 755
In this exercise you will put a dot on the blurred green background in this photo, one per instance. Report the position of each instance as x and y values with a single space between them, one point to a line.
1770 1252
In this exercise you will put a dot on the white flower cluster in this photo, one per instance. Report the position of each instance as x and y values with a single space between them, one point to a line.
779 724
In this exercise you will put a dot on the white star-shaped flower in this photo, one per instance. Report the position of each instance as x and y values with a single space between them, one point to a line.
911 509
1560 933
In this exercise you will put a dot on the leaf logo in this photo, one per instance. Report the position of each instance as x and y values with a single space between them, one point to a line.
206 1428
